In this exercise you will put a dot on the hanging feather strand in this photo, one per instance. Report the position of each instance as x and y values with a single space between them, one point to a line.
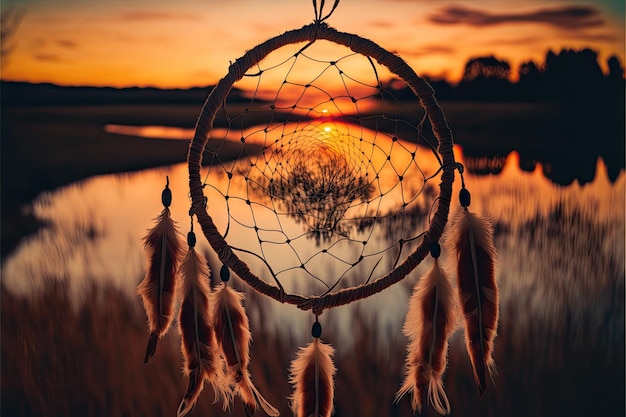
233 336
157 290
202 361
431 319
472 238
312 375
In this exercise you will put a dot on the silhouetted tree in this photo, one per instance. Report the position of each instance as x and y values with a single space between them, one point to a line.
486 67
616 71
528 70
572 75
486 79
529 85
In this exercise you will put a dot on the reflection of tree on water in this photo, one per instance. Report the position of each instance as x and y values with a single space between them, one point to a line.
317 187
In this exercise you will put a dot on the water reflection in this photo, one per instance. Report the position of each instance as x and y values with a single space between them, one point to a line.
152 131
325 203
561 249
317 188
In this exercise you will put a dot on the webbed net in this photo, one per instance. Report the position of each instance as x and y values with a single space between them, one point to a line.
319 185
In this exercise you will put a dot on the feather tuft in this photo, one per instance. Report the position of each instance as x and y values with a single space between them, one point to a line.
233 337
202 361
158 288
472 238
312 375
430 320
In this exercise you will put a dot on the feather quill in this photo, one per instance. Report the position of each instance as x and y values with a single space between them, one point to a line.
472 237
430 321
158 288
233 336
312 375
202 361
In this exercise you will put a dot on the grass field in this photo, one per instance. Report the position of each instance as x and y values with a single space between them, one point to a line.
62 360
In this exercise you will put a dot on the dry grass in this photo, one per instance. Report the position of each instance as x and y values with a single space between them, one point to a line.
60 361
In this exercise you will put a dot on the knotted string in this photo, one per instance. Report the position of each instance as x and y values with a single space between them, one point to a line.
318 12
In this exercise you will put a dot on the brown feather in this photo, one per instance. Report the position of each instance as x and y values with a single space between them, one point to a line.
312 375
233 336
478 290
202 361
158 288
430 321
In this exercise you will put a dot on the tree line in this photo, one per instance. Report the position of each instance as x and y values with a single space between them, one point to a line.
576 112
566 76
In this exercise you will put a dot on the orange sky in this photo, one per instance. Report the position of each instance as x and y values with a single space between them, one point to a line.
190 42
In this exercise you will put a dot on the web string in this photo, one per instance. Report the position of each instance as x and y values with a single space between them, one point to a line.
317 172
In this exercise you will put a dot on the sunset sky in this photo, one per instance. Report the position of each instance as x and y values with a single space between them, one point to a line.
190 42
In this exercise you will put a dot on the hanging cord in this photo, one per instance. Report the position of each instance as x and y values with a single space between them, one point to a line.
459 166
318 21
318 12
316 332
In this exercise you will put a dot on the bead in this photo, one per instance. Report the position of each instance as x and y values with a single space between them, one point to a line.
166 197
191 239
316 330
435 249
224 273
465 197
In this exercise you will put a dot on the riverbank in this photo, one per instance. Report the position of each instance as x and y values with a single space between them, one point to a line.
47 147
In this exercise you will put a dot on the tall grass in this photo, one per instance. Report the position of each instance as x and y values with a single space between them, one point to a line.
560 349
63 360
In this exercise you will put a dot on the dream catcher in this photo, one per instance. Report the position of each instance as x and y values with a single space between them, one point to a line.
318 185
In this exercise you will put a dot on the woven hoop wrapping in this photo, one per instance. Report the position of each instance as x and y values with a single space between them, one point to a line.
216 99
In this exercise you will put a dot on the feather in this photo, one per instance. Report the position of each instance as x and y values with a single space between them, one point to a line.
472 237
312 378
233 336
202 361
430 321
158 288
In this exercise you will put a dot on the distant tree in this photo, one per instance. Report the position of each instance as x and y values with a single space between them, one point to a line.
486 79
616 71
573 65
529 86
528 70
572 75
486 67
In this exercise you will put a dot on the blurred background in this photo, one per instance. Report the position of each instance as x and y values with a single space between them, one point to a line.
100 98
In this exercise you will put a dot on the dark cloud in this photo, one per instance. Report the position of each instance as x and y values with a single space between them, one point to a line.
381 23
427 51
47 57
437 49
567 17
530 40
67 43
142 15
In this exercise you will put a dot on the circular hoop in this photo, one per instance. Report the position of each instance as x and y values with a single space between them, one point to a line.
395 64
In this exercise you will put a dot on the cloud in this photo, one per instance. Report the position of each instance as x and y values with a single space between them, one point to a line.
47 57
427 50
380 24
156 15
567 17
67 43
